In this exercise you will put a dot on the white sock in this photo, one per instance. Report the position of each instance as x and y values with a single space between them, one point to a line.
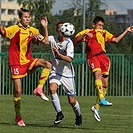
76 109
55 102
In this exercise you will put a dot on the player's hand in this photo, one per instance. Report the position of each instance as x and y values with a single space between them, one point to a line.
90 35
38 37
44 22
35 38
130 29
56 50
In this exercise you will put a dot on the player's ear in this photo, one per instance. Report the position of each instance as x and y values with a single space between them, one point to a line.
19 20
93 25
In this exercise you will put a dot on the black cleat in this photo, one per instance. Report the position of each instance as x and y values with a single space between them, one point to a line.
59 118
78 120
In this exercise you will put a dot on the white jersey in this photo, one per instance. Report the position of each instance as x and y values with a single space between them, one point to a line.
60 66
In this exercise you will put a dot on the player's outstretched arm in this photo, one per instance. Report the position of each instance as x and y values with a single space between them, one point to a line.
39 37
117 39
44 23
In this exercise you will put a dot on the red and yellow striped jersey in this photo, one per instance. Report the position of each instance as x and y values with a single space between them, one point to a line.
96 44
20 37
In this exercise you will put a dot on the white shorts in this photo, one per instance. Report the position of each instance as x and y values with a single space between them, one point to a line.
67 82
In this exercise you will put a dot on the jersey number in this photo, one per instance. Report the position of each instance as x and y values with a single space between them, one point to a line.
16 71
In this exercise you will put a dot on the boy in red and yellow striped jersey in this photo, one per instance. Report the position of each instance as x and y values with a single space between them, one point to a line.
21 61
98 62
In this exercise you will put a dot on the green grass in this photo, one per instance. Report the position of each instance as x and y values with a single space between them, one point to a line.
39 116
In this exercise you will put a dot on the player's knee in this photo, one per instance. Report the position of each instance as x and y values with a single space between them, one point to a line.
52 90
72 102
48 64
97 74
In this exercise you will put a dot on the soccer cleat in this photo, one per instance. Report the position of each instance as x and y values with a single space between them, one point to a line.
39 92
78 120
96 113
59 118
104 102
19 121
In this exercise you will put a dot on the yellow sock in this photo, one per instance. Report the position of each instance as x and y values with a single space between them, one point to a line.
105 91
17 105
97 105
98 85
44 76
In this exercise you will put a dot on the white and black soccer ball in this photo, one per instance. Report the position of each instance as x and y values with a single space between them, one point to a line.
67 29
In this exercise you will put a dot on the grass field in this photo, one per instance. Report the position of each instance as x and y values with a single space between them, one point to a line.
39 116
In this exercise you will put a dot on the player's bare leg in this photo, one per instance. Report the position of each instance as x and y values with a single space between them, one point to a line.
43 78
17 99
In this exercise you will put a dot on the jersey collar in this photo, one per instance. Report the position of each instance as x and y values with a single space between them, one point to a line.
20 25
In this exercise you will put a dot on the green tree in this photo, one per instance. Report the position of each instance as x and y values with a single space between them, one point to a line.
125 45
93 6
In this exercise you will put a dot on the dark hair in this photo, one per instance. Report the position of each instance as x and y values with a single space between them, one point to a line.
60 22
97 19
21 11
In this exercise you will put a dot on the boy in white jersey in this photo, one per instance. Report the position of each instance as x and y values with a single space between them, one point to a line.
62 71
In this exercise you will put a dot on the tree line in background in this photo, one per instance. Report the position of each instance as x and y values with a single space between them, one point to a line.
73 14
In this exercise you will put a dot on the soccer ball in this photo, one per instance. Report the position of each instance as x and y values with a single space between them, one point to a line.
67 29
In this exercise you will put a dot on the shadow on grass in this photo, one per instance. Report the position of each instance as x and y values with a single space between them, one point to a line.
57 126
49 126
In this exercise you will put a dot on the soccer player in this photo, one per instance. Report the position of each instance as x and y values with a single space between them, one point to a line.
62 72
21 61
98 62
